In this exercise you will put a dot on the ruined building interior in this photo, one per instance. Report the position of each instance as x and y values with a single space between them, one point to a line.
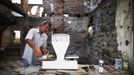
98 29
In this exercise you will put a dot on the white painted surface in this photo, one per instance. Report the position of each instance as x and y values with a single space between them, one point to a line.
60 44
57 64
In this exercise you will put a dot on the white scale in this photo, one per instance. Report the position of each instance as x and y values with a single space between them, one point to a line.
60 43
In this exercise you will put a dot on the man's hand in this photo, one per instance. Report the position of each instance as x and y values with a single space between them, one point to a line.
37 52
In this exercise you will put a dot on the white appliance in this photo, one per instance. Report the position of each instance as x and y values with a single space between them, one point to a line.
60 43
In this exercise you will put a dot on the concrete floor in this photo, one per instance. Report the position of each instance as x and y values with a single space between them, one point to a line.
15 67
8 67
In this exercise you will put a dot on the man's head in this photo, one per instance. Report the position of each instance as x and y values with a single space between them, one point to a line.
45 26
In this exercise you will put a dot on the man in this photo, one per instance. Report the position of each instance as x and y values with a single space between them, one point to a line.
36 40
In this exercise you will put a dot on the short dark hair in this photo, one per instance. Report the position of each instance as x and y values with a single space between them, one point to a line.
46 22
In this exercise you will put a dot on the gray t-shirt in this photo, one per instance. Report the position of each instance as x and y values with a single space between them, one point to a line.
39 40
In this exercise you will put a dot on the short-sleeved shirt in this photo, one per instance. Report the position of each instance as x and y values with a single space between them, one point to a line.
40 40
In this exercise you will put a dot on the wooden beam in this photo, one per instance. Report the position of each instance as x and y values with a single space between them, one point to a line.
13 7
24 4
7 20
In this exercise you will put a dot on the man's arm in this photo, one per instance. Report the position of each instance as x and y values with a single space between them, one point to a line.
36 50
29 41
44 48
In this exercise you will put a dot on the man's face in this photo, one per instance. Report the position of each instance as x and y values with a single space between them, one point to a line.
44 28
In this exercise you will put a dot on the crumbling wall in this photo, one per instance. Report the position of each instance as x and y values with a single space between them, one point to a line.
74 7
124 25
79 37
103 43
5 38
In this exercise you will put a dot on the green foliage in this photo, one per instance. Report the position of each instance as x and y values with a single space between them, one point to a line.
17 41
